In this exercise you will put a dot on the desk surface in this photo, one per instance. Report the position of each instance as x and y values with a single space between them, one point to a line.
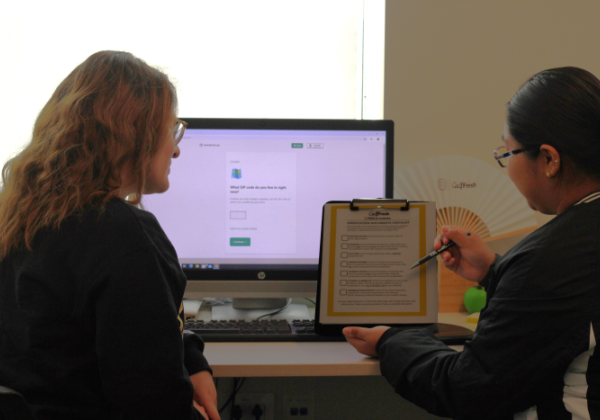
299 359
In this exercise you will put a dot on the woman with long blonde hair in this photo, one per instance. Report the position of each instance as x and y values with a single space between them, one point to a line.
90 287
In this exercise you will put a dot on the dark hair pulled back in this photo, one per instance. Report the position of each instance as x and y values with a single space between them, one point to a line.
560 107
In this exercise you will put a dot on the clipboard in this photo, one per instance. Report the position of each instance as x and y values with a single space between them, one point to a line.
367 247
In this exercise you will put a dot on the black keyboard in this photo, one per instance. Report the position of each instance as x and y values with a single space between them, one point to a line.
248 331
297 330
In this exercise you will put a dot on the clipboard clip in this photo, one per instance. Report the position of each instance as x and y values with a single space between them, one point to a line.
381 203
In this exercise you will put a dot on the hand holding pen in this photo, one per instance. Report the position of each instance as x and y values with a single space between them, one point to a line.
434 254
468 255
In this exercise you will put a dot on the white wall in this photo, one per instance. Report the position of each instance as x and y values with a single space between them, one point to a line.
451 66
228 59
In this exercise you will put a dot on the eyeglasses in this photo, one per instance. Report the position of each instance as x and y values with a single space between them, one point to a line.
178 130
501 155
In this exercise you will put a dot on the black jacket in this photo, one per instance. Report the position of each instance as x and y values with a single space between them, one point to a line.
533 349
91 321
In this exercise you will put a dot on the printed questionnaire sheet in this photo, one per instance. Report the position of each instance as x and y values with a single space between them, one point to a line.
366 257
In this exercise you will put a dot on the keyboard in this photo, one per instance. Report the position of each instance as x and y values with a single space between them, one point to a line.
278 330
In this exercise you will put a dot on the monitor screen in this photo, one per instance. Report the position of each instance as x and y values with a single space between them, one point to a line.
245 202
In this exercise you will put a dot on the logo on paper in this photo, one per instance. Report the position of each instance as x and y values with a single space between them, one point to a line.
236 173
461 185
379 213
442 184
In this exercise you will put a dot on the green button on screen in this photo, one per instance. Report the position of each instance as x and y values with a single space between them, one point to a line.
239 241
297 145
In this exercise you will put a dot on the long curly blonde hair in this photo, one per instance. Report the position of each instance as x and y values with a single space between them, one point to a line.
108 116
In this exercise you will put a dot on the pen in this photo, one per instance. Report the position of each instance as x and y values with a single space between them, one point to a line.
436 253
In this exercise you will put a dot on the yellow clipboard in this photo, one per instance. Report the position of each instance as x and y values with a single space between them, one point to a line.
367 248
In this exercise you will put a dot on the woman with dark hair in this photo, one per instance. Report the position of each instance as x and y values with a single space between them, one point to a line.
533 352
90 287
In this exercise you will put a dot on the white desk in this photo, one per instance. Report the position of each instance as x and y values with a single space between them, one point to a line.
299 359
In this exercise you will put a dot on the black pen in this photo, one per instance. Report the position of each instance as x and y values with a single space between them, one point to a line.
436 253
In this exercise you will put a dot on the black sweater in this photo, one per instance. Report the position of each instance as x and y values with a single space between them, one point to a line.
534 347
91 321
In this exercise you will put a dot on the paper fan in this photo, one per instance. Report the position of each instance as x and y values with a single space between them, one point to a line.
469 193
458 216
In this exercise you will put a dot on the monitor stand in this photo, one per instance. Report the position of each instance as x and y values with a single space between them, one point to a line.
291 312
260 303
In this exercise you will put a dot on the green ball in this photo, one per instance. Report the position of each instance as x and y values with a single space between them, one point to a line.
475 299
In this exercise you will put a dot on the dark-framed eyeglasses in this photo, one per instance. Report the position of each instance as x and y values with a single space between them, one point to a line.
501 155
178 130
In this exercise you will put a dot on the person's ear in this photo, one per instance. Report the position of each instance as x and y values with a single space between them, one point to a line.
550 160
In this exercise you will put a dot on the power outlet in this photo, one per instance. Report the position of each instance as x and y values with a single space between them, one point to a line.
298 407
255 406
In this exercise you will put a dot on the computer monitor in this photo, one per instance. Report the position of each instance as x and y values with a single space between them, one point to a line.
245 202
